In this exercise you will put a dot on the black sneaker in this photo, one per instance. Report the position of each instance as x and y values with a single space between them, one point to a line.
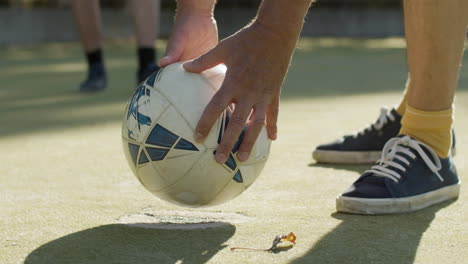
364 147
410 176
143 73
96 80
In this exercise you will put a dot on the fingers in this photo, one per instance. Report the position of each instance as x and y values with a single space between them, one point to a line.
272 118
166 60
213 110
206 61
231 134
255 127
173 52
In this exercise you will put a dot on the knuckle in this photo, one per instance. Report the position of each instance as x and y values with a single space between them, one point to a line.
271 126
201 59
216 106
258 123
236 122
202 129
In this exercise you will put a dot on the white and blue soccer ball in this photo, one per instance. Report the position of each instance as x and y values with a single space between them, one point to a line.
158 142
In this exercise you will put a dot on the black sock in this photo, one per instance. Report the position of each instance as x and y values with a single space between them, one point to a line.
94 57
146 56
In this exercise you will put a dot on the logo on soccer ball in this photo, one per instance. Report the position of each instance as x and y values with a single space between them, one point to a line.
140 97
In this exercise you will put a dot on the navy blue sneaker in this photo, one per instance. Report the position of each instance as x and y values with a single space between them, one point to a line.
410 176
143 73
364 147
96 80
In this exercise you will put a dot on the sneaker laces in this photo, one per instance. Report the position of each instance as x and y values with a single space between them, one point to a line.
383 119
391 152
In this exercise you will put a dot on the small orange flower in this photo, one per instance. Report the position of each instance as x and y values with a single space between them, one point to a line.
291 238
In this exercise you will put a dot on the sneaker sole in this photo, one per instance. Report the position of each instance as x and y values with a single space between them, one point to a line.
346 157
396 205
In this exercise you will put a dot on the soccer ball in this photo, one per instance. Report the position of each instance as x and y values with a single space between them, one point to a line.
158 142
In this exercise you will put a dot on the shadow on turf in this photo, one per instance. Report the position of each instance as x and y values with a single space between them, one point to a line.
119 243
373 239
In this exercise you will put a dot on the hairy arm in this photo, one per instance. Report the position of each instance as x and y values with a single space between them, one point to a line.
257 59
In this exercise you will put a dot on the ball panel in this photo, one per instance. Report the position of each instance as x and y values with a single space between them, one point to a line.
191 93
152 179
173 123
176 165
201 185
229 192
250 172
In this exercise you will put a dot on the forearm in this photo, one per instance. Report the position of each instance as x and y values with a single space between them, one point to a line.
285 18
196 5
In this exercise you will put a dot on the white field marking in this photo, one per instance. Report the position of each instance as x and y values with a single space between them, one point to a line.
182 219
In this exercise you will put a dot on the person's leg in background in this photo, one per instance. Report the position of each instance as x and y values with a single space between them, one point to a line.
146 17
416 170
88 20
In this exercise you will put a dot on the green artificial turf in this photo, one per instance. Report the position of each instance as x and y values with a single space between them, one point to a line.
64 181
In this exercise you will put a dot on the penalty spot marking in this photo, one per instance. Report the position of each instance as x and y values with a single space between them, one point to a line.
182 219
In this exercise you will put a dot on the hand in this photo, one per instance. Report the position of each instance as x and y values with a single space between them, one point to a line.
194 33
257 59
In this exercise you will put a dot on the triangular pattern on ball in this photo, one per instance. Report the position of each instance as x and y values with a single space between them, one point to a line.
143 158
185 145
133 149
238 177
161 137
157 153
231 163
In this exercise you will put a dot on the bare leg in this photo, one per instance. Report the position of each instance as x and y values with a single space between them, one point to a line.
88 19
402 106
435 31
146 17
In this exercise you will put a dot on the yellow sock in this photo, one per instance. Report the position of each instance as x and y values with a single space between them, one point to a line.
433 128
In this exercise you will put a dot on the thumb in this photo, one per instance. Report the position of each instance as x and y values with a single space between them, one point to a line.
206 61
174 50
166 60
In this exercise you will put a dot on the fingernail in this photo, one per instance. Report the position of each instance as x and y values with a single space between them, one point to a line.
243 156
220 158
274 136
187 64
198 137
163 61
